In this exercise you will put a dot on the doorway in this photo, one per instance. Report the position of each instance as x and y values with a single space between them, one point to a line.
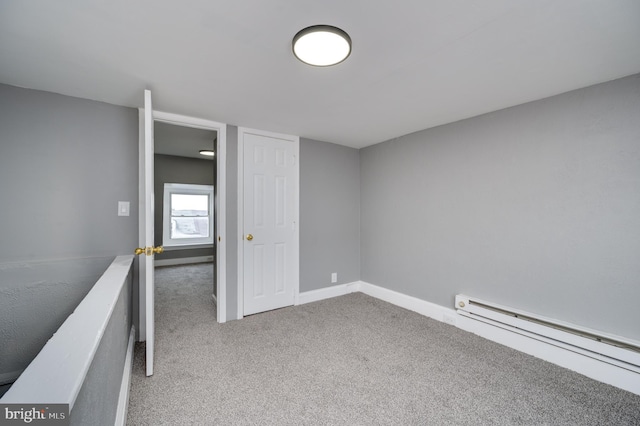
177 122
184 188
184 137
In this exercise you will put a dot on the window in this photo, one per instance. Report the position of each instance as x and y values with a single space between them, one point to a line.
187 215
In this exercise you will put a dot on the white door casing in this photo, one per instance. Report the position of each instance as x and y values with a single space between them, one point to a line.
269 175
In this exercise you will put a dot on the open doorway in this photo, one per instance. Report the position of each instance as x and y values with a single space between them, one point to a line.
184 190
147 119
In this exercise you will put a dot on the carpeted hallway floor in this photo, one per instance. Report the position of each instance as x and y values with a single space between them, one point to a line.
352 360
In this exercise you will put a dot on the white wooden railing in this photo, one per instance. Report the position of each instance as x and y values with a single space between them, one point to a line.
58 372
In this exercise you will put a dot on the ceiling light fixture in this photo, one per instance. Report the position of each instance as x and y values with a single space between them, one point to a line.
207 152
322 45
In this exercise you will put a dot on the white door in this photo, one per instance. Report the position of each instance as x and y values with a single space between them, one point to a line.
270 216
147 287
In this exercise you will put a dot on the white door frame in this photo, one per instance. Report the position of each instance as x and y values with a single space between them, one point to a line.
221 202
296 218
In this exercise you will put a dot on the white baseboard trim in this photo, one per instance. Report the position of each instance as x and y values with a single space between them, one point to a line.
585 365
123 399
184 261
591 367
580 363
411 303
327 292
408 302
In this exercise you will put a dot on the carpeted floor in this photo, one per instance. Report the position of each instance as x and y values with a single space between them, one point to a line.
352 360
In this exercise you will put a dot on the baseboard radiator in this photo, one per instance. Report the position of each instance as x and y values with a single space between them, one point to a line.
615 350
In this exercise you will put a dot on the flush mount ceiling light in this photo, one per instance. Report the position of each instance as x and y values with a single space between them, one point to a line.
322 45
207 152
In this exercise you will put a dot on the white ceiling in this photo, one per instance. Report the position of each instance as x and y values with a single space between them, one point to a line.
182 141
415 63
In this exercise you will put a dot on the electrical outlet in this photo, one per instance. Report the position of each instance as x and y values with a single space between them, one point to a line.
334 277
449 319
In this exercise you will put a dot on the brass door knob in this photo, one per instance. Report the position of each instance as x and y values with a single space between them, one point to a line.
249 237
148 250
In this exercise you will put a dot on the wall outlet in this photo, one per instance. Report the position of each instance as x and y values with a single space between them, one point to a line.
334 277
449 319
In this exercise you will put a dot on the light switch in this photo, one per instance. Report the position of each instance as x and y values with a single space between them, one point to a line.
123 208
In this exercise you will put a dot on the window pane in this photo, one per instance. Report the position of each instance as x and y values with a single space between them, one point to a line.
187 214
189 205
189 227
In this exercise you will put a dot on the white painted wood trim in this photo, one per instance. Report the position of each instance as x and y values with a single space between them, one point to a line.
58 371
221 225
327 292
123 399
184 261
411 303
268 134
187 121
296 219
240 232
215 299
586 365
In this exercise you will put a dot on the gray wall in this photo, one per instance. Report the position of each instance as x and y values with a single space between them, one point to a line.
329 214
535 207
64 165
172 169
36 297
97 401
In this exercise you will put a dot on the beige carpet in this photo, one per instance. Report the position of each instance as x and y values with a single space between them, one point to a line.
352 360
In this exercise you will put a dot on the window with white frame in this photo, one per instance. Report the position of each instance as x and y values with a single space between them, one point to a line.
187 215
